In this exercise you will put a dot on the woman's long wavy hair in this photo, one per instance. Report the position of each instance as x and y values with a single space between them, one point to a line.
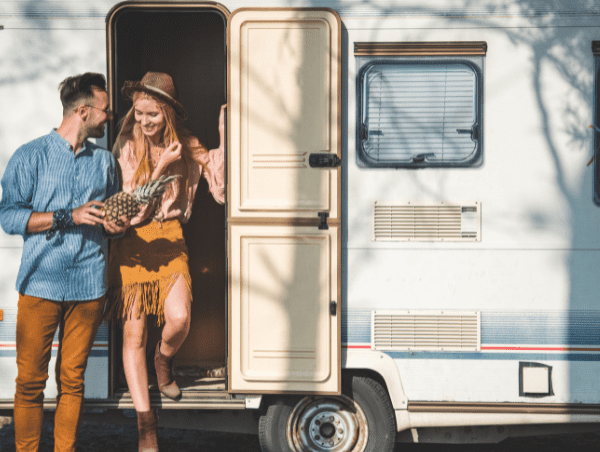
131 130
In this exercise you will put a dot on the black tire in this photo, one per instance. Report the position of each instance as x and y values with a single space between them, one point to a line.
381 417
272 425
312 423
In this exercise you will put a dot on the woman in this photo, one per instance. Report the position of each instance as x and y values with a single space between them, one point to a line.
148 267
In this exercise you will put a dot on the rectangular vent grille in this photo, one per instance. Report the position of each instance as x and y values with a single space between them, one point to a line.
426 330
426 222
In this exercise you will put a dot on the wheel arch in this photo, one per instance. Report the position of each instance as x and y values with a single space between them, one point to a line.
379 367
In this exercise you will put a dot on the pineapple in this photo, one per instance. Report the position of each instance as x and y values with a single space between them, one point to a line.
129 204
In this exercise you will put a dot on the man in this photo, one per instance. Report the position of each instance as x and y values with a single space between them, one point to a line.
51 194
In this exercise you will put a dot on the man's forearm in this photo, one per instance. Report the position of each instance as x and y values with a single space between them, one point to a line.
39 221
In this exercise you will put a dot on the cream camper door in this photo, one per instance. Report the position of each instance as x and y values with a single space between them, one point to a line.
284 261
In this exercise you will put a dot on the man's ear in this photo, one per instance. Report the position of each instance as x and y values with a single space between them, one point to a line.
83 111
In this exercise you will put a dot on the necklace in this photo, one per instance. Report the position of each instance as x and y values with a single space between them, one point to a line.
157 149
155 153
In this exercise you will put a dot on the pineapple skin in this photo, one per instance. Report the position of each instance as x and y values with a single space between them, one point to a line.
129 204
121 204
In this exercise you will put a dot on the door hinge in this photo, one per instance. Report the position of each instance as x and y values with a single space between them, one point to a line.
323 223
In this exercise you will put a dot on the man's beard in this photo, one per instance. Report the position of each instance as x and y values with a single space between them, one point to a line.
96 132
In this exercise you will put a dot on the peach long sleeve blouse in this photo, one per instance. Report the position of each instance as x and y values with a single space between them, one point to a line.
177 202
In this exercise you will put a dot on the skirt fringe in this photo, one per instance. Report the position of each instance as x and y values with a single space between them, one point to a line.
149 297
144 265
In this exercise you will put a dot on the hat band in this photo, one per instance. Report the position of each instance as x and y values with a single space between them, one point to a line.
158 91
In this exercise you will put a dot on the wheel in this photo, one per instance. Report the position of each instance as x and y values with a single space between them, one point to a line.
361 420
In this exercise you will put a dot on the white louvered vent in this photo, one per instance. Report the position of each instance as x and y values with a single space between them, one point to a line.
426 222
426 330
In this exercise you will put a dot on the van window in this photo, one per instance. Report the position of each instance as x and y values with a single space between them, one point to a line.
420 105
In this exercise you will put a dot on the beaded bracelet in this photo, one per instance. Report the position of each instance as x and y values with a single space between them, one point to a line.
61 219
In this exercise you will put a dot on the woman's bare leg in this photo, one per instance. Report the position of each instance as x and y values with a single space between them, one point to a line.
177 318
135 335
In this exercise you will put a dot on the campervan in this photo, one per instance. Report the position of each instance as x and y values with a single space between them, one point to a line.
409 248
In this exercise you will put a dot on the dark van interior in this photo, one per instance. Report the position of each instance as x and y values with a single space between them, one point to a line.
189 43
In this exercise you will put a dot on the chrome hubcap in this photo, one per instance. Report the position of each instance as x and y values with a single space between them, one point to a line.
327 425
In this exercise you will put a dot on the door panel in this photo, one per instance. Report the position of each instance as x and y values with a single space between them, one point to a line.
284 104
283 280
284 98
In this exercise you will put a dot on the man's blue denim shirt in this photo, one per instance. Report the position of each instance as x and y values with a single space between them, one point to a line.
45 175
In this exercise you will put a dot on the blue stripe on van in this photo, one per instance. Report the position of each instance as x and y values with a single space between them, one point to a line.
541 328
356 326
569 328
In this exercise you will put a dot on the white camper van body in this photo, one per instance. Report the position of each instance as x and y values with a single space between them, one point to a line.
496 324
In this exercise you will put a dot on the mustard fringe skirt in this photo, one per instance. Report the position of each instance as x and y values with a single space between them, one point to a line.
143 266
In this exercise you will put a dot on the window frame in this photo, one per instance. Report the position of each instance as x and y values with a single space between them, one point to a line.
470 54
595 118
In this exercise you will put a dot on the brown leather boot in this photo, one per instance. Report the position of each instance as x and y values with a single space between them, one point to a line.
148 442
164 375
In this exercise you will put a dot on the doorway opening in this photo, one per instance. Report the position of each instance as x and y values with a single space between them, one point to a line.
188 43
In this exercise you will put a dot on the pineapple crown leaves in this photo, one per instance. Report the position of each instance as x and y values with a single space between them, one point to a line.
152 190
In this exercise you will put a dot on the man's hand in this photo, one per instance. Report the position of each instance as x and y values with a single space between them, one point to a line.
113 228
89 213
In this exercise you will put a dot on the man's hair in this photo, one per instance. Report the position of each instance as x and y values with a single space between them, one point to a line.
80 88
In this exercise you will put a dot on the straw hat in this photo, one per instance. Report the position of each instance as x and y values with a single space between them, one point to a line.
158 84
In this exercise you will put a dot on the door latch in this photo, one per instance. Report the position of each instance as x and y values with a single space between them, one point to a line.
333 308
323 223
473 131
323 160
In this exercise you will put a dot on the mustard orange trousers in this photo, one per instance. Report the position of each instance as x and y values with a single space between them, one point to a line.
37 321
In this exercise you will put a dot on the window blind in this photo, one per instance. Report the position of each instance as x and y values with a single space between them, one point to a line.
419 112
